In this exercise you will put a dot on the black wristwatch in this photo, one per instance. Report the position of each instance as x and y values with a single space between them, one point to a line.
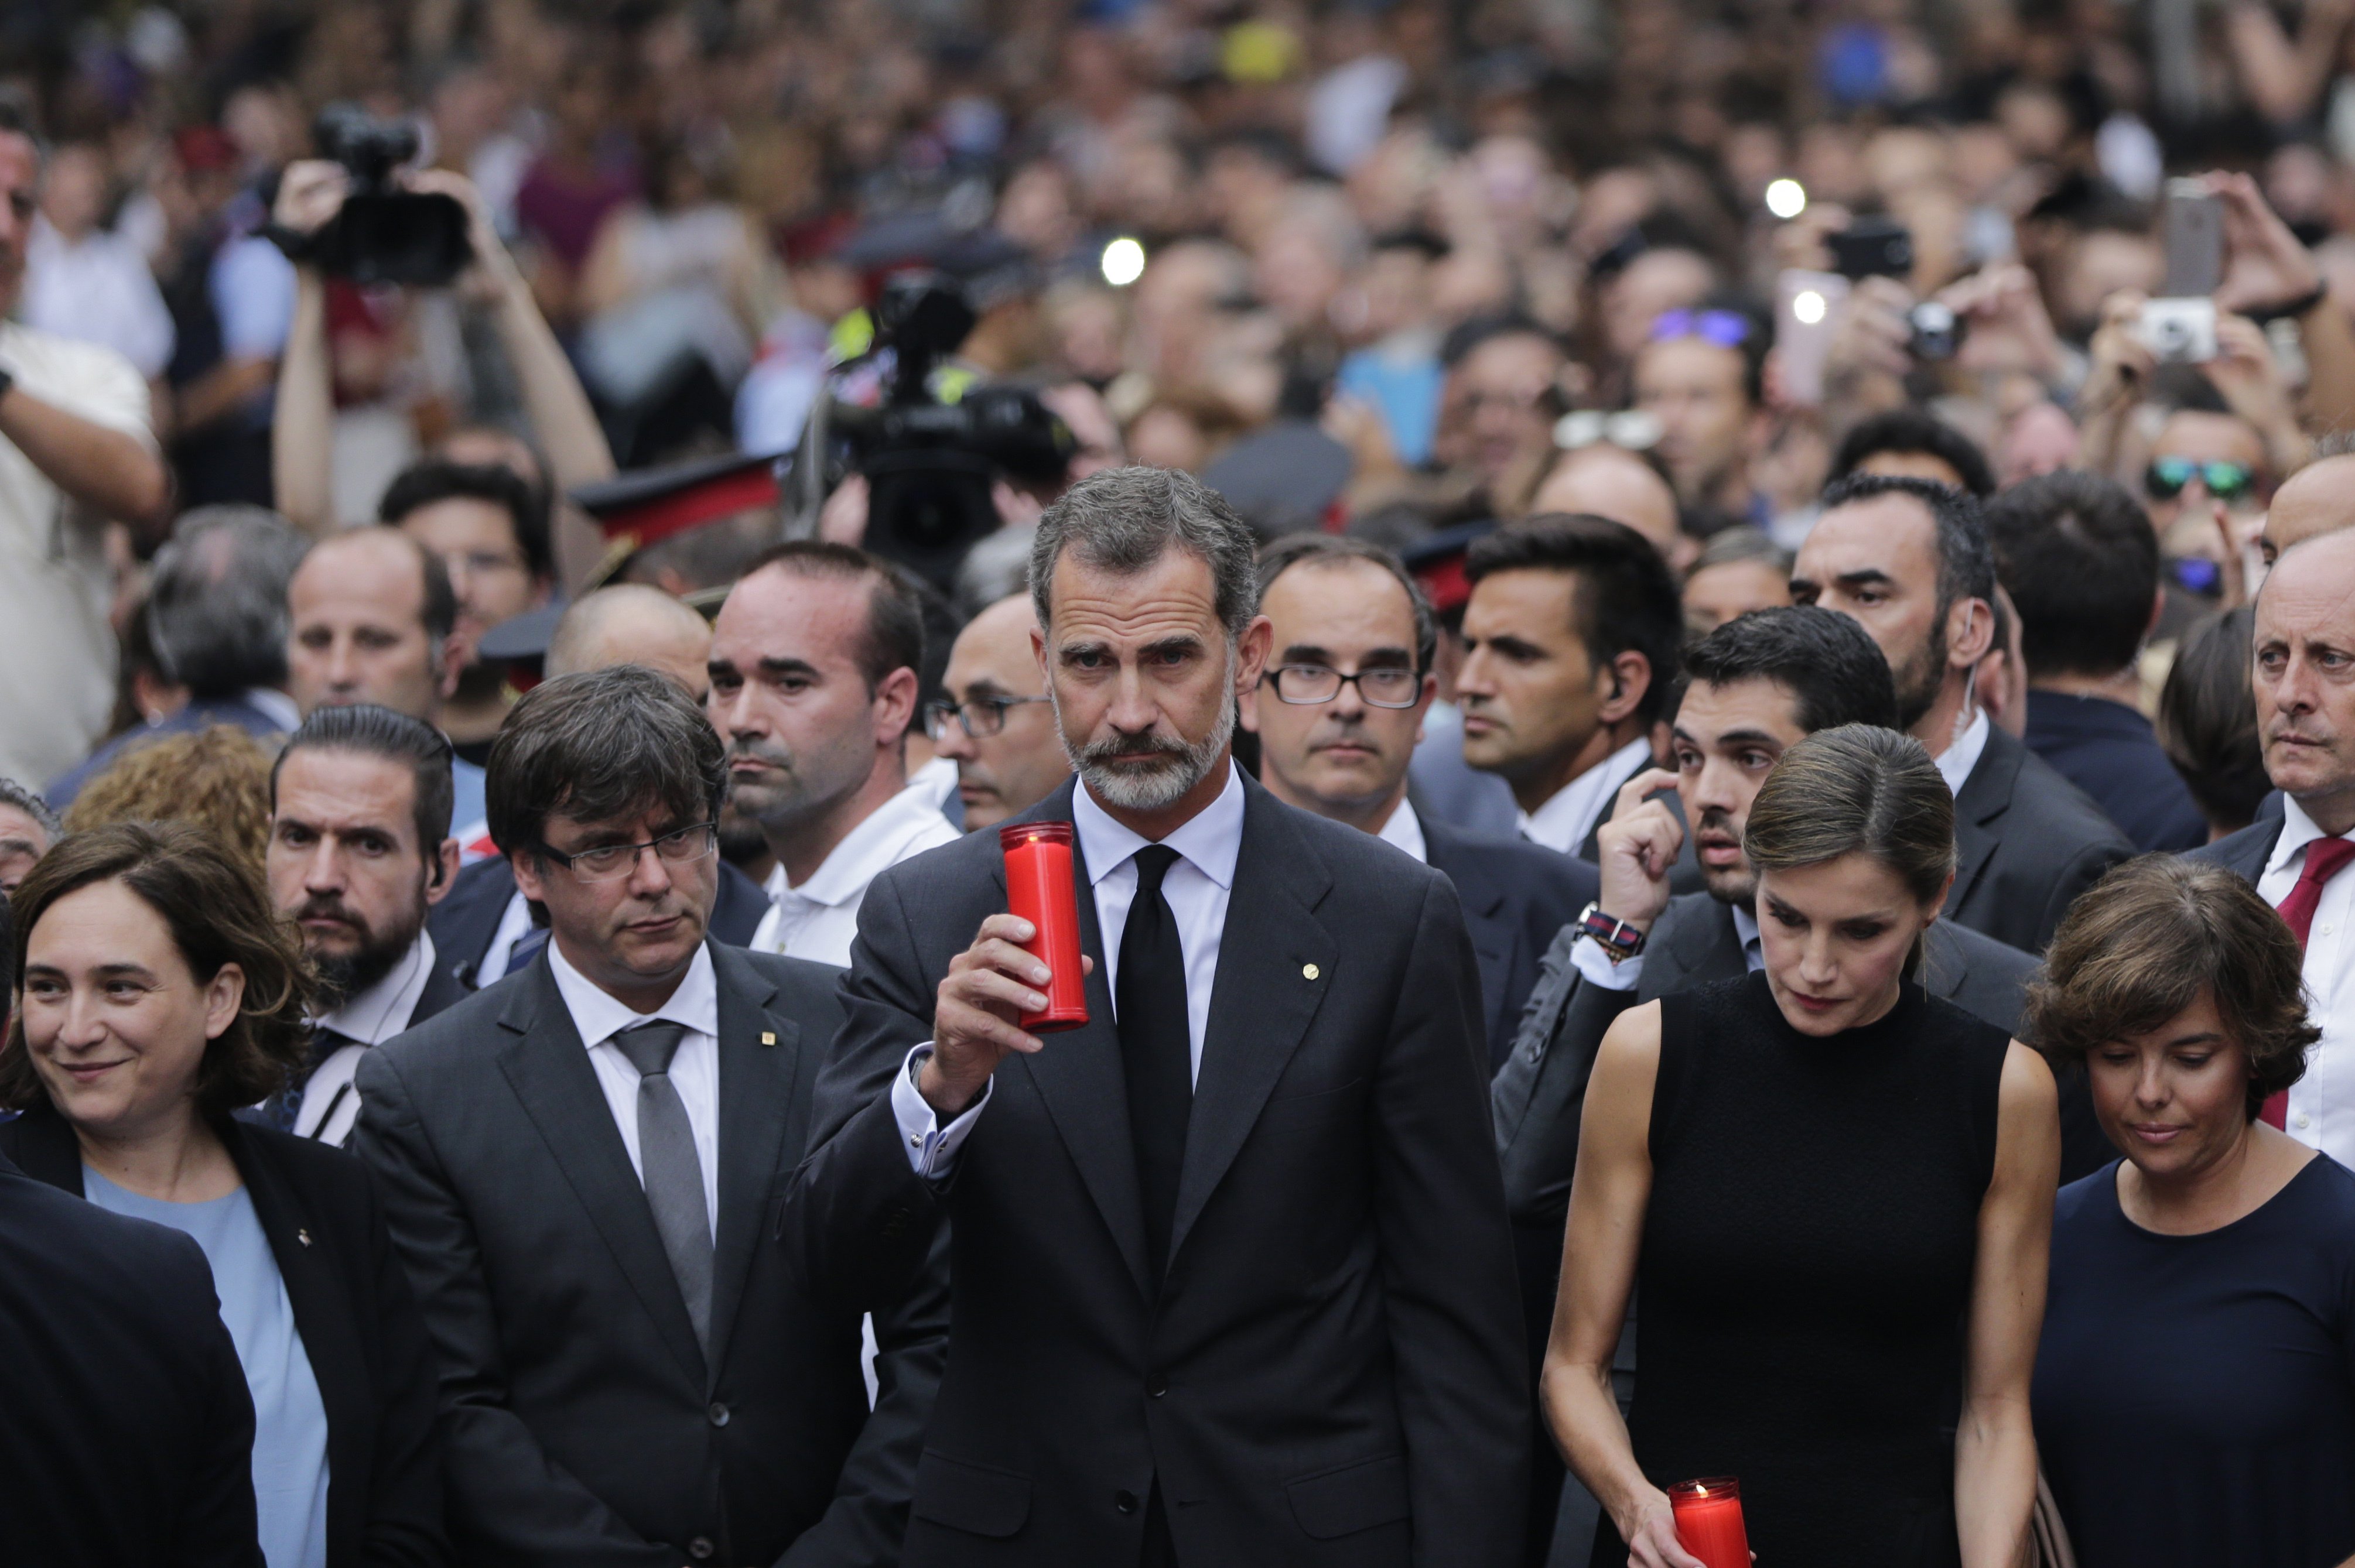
1619 940
7 380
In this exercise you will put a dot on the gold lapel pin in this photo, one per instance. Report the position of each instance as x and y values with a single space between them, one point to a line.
1309 971
304 1236
767 1038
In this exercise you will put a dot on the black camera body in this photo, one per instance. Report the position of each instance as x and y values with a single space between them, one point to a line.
383 234
930 464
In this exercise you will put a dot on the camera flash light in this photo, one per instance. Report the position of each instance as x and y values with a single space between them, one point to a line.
1123 262
1808 307
1786 198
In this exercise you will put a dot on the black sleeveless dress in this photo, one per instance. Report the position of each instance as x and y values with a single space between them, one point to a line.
1806 1264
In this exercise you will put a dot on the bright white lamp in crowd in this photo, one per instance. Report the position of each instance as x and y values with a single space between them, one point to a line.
1123 262
1808 307
1786 199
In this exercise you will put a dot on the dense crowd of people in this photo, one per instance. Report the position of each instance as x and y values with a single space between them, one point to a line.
1695 665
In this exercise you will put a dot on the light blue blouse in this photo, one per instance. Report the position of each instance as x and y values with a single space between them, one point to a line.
290 1432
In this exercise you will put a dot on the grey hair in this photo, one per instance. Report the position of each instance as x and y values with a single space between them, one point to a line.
1122 520
14 794
216 603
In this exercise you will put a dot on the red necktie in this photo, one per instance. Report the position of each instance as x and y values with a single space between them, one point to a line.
2323 859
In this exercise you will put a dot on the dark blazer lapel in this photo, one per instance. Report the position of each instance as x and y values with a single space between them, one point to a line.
443 991
759 1051
1079 1074
1263 999
1701 948
552 1077
1485 916
1986 795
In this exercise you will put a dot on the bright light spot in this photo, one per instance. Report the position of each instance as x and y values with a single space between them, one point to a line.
1123 262
1786 199
1808 306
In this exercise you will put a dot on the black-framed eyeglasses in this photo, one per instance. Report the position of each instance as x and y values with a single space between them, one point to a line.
609 862
1384 686
981 716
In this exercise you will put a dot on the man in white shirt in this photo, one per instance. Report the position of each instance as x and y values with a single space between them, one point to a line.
1571 633
2295 849
360 849
814 676
1909 560
90 283
76 449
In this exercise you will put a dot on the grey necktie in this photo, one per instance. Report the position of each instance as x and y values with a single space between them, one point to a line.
673 1175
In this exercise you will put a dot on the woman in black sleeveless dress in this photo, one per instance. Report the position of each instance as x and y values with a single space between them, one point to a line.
1834 1193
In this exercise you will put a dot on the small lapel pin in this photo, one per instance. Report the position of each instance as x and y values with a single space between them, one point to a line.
768 1038
1309 971
304 1236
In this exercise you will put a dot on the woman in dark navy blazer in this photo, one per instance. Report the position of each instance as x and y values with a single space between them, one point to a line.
160 992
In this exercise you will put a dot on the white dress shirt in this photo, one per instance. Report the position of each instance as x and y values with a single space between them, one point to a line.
694 1071
817 920
1196 888
1955 763
2321 1104
1404 831
1564 821
1595 965
329 1104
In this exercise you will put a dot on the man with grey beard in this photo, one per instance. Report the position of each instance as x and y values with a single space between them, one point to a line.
813 677
1257 1182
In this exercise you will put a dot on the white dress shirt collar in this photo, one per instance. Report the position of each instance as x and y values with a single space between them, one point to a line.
1211 839
1962 755
2297 830
1404 831
1564 821
275 706
599 1015
383 1011
868 849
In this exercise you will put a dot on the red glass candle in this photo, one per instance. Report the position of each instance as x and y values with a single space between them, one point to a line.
1039 889
1708 1521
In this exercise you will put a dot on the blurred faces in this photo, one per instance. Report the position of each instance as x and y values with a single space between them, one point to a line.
1505 393
993 674
1649 286
1610 482
633 935
1535 704
1344 759
345 863
1144 681
73 190
2304 678
1835 937
488 570
2174 1099
1877 561
23 842
804 731
355 610
1696 390
1715 595
20 185
2189 522
2317 499
1912 465
116 1023
1726 739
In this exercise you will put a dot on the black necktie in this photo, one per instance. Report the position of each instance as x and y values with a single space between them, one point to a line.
1156 1049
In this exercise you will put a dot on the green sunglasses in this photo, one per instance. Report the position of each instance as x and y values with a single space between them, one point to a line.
2165 478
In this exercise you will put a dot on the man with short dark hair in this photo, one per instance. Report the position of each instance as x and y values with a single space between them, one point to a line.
814 672
1258 1181
2078 557
1571 633
359 849
581 1170
1336 718
1909 443
1701 373
1910 560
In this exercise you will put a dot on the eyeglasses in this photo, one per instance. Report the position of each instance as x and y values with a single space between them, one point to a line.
2165 478
980 716
609 862
1630 430
1387 687
1725 329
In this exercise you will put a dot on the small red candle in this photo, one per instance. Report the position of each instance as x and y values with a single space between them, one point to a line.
1708 1521
1039 889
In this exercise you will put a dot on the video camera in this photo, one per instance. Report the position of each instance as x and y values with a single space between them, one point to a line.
382 233
929 462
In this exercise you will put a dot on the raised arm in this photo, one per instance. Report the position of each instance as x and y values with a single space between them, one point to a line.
1995 1446
303 421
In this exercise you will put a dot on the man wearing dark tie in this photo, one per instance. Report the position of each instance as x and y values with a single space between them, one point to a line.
2296 850
583 1169
1233 1284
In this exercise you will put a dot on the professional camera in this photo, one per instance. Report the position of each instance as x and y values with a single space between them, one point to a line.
382 234
930 462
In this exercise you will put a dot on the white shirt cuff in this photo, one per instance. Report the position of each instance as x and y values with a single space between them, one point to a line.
931 1148
1594 966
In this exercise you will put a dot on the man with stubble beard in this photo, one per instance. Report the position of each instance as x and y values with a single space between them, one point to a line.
360 849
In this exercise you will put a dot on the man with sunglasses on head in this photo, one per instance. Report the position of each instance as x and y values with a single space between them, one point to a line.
1337 714
582 1168
997 723
1702 373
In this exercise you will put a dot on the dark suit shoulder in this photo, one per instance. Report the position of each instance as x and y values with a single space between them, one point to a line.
460 1031
1516 864
1984 954
65 1239
2247 851
2043 794
804 985
319 1172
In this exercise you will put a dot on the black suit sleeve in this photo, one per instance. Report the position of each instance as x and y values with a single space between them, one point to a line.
2084 868
405 1529
1540 1094
1463 1382
216 1530
517 1505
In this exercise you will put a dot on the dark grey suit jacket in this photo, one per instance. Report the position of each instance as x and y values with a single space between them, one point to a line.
2247 851
1516 895
581 1422
1330 1373
2026 842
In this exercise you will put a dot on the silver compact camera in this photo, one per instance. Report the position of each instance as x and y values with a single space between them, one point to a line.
2179 332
